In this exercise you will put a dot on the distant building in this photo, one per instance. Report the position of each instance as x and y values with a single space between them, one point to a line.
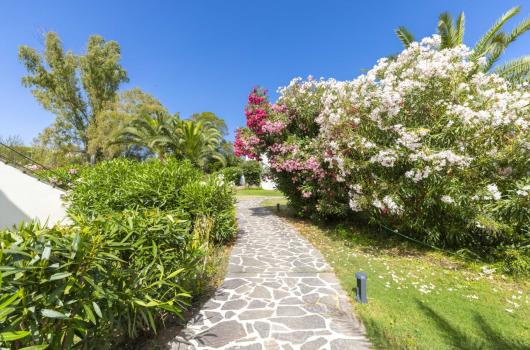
266 183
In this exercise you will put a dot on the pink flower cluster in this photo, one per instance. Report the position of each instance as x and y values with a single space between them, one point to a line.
283 148
257 96
311 165
271 127
256 110
279 108
245 145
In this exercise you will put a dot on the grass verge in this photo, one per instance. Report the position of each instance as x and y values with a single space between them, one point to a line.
258 192
419 298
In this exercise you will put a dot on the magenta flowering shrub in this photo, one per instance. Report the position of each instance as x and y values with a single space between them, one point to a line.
424 143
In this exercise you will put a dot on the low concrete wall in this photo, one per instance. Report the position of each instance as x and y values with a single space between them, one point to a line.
23 198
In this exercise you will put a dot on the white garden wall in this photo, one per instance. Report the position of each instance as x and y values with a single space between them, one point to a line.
23 198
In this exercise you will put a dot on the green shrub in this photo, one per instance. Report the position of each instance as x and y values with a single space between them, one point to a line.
136 252
213 199
232 174
63 177
516 261
78 285
124 184
252 171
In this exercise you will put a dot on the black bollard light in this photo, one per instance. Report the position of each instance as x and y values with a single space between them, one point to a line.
278 207
361 287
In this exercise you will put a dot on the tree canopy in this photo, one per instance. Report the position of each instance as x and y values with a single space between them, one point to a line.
76 88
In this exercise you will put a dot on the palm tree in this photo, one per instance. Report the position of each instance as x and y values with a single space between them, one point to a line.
193 140
167 135
491 45
146 131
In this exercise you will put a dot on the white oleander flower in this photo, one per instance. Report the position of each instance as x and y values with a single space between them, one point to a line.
447 199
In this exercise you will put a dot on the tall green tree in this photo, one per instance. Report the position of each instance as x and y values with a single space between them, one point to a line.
76 88
490 46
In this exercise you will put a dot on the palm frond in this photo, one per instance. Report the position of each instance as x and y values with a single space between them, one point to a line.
446 29
405 36
516 71
498 45
519 30
460 29
219 157
484 44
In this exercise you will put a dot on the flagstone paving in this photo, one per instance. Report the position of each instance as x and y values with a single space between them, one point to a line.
279 294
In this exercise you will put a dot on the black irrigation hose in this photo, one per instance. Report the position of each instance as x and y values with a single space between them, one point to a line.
430 246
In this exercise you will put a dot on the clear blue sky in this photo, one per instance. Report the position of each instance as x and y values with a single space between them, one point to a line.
205 55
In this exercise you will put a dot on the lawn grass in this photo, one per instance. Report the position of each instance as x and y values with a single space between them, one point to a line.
420 298
258 192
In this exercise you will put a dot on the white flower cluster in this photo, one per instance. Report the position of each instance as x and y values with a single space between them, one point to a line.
494 192
427 117
523 191
447 199
386 158
392 205
417 175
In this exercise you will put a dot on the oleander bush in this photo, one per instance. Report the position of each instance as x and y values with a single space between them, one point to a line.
125 184
63 177
137 252
423 143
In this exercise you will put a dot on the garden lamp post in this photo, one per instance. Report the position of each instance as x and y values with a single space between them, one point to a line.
361 287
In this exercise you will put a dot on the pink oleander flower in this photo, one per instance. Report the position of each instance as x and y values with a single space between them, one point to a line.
245 145
282 148
271 127
279 108
306 194
34 167
257 96
72 171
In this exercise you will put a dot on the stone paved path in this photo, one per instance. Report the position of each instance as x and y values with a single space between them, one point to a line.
279 293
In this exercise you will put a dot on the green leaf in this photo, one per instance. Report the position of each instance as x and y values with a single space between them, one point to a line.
5 312
10 336
75 244
60 276
35 347
97 309
46 252
174 273
481 47
9 301
52 314
89 313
